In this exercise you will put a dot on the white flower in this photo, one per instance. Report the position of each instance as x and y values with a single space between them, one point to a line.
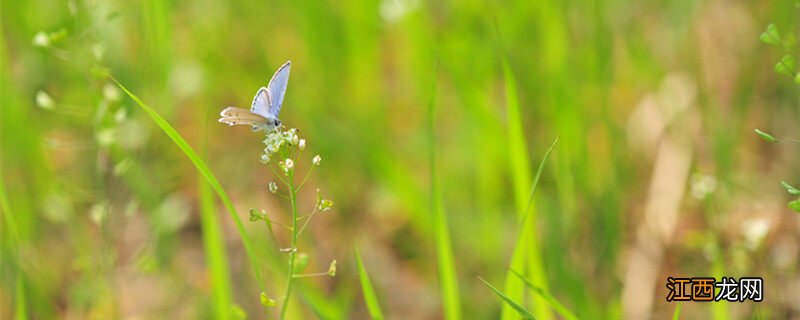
110 92
302 144
317 159
44 101
754 231
289 164
276 140
273 187
703 185
41 39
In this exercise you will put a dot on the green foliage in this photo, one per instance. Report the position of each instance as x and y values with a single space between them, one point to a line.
448 278
522 250
766 136
213 244
790 189
204 171
676 315
514 305
370 298
787 66
771 35
87 172
267 301
795 205
557 306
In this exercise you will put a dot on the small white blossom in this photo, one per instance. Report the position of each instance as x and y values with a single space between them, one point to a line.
754 231
41 39
120 115
273 187
110 92
275 141
289 164
302 144
317 159
702 185
44 101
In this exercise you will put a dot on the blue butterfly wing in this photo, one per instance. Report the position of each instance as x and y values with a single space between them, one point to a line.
277 89
261 103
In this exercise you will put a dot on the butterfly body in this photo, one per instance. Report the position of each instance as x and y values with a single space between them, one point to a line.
263 113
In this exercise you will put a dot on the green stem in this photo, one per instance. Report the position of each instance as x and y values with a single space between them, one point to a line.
293 251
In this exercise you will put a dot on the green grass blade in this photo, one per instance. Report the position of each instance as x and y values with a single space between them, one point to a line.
677 313
514 286
527 256
370 298
517 146
516 306
563 311
206 173
448 281
214 246
21 308
213 239
539 175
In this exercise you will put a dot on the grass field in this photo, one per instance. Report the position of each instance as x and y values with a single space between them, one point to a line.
633 122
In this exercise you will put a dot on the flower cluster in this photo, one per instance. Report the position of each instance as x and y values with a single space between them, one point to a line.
277 142
283 149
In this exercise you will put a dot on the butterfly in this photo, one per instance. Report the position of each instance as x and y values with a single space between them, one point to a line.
263 114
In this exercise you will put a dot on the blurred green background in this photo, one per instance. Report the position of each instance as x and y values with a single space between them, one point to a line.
657 173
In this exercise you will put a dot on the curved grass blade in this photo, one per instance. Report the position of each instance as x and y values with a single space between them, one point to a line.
516 306
370 298
205 172
525 241
563 311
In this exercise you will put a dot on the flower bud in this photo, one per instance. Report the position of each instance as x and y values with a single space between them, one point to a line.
302 144
273 187
317 159
332 268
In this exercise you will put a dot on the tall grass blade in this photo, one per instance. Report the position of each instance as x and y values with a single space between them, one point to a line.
370 298
563 311
206 173
515 306
214 246
20 307
525 240
527 256
444 251
517 146
213 242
